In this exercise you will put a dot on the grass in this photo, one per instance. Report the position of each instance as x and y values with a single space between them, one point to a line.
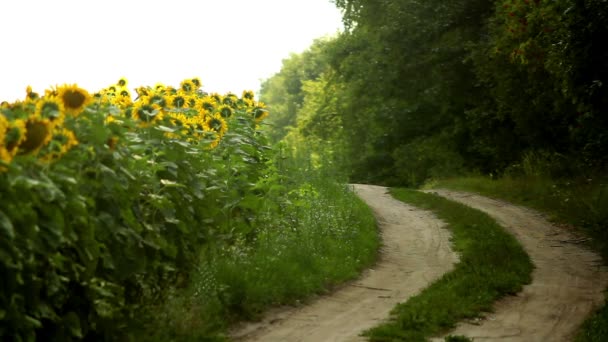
582 203
492 265
320 234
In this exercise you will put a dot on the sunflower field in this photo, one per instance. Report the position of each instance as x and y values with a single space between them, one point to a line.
108 198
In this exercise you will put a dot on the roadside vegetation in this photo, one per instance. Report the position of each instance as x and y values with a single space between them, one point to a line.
121 215
315 235
492 265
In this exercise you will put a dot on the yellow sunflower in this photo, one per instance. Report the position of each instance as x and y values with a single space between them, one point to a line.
62 141
147 113
216 123
177 101
230 99
30 95
187 86
122 82
248 94
197 82
225 111
50 108
38 132
208 104
259 112
14 135
74 99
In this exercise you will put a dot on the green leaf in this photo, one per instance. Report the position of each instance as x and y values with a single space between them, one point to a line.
170 183
73 324
6 226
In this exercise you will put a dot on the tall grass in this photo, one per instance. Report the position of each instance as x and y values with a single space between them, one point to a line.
314 233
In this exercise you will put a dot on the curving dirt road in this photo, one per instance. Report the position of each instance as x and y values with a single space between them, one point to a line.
416 251
567 283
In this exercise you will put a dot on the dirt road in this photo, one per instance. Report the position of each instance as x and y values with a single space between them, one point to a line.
567 283
416 251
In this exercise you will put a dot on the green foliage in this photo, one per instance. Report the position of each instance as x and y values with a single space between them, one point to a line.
312 233
284 91
492 265
493 81
89 242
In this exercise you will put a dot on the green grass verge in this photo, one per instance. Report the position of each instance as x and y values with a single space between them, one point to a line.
492 264
579 202
322 235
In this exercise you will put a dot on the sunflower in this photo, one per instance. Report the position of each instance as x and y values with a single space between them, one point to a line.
259 112
229 99
217 97
192 101
197 82
159 88
142 91
248 94
74 99
122 82
178 119
38 132
208 104
3 128
146 113
187 86
225 111
177 101
216 123
50 108
30 95
62 141
156 99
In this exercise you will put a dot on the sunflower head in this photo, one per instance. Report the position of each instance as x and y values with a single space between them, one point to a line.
74 99
158 99
229 99
197 82
122 82
50 108
248 94
38 132
142 91
225 111
187 86
217 124
147 112
178 101
62 141
30 95
208 104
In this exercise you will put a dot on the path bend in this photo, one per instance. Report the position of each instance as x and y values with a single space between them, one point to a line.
415 252
568 281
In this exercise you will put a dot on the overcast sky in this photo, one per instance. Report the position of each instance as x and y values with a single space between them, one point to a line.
230 44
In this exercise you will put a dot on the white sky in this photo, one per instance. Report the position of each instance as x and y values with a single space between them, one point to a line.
230 44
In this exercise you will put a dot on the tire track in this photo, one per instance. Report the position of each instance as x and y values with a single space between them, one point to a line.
416 251
567 283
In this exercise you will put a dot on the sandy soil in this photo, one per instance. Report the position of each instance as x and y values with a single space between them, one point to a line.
416 251
568 281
